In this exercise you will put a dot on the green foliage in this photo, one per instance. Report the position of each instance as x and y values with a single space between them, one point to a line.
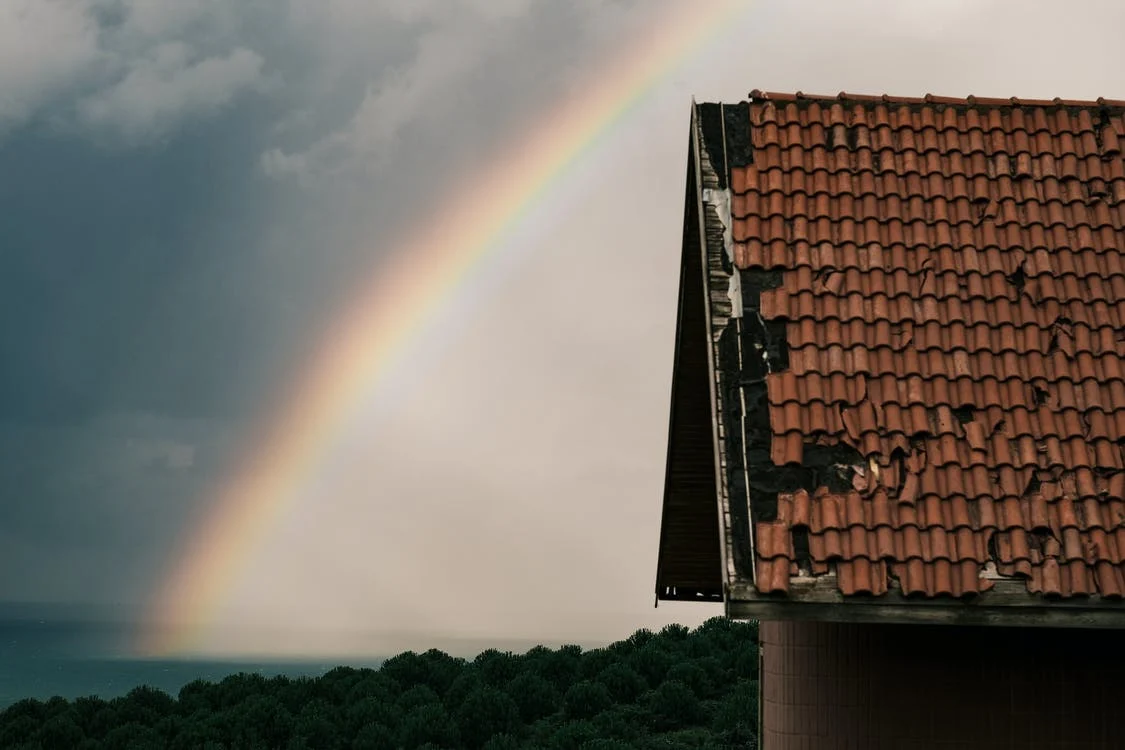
419 695
626 722
443 669
623 682
561 667
674 632
533 696
736 718
587 699
17 730
606 743
746 663
572 735
595 662
692 675
485 712
503 742
651 662
371 710
640 638
674 705
428 724
496 667
408 669
374 737
674 689
464 684
60 732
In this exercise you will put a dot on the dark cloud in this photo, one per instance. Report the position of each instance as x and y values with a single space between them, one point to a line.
158 284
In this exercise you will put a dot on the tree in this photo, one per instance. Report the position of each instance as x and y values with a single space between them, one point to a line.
746 663
144 705
196 696
443 669
485 712
533 695
625 721
674 706
675 689
572 735
60 732
606 743
623 682
464 684
368 711
89 713
651 662
640 638
428 724
133 736
374 737
736 718
595 661
318 725
496 667
419 695
586 699
408 669
503 742
561 667
692 675
261 718
674 632
17 730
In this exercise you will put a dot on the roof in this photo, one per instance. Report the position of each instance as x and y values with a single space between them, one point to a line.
918 331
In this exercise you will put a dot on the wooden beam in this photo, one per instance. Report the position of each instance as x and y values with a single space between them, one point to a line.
1008 603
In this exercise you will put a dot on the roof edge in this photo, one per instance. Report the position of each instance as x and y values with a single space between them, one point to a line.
1007 604
970 100
680 572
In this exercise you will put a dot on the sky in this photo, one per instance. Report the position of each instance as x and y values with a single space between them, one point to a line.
192 192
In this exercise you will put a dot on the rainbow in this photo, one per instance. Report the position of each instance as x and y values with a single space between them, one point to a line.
397 306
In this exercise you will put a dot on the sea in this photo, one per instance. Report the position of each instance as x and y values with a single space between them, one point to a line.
41 658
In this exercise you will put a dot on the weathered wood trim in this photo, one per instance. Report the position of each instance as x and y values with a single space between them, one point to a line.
956 614
724 316
1008 603
721 497
691 559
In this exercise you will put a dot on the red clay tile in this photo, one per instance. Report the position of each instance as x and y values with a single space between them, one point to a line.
953 274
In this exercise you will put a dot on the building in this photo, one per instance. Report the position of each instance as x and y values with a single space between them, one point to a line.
898 414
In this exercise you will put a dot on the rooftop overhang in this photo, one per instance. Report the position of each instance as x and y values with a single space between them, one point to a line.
714 465
689 564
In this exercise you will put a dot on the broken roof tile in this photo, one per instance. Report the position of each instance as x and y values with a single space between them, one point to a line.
952 293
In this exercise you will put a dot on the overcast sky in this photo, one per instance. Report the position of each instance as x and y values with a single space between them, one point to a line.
189 188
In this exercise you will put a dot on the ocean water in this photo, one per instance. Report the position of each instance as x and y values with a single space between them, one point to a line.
43 658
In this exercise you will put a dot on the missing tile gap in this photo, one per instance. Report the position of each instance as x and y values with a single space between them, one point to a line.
1104 121
801 553
1018 278
964 413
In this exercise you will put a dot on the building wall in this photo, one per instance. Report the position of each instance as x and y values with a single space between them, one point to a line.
831 686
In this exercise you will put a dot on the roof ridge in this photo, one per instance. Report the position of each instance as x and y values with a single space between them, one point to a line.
971 100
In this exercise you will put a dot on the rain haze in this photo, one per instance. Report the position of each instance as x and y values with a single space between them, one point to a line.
193 194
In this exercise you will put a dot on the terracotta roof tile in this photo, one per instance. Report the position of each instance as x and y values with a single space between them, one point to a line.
953 299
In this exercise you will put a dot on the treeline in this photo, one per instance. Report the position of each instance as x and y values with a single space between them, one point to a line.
677 688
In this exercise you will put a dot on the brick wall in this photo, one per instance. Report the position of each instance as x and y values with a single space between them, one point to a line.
831 686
